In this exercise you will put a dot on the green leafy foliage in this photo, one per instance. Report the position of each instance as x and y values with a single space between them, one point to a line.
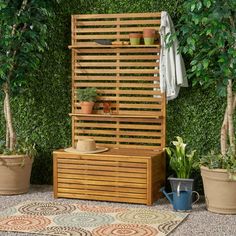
23 35
22 147
217 161
87 94
207 34
180 161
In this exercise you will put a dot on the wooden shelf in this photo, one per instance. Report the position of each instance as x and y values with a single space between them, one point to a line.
96 45
115 116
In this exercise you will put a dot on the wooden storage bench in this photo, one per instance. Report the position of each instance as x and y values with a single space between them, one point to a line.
126 77
133 176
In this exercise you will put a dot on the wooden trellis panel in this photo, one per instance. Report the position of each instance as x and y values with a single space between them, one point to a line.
127 76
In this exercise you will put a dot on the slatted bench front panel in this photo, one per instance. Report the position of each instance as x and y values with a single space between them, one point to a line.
108 177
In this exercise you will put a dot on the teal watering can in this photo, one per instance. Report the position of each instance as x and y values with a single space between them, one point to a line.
181 200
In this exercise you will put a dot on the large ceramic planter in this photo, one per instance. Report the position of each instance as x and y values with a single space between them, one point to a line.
220 191
15 172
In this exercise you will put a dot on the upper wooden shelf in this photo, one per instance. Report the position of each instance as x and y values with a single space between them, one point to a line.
112 46
115 116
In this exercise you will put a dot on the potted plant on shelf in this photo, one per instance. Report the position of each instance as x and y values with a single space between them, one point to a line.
135 38
22 41
207 33
182 164
87 98
149 36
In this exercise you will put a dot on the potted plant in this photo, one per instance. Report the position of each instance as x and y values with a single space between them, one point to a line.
22 40
182 164
87 98
207 35
135 38
149 36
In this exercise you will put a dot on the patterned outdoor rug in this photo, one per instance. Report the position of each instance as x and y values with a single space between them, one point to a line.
59 218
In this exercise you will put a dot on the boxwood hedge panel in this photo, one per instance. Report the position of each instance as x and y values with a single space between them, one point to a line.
42 110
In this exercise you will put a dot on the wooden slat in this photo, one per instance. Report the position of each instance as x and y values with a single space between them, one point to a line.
113 71
105 193
102 163
121 126
111 179
121 23
71 194
103 183
110 78
105 30
102 173
104 188
127 49
118 57
111 64
149 133
104 168
123 16
93 44
115 139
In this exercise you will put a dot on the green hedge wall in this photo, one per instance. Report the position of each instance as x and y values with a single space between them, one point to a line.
42 110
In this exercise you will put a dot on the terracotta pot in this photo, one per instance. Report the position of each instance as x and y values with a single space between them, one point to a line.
15 172
220 191
86 107
149 33
149 36
135 38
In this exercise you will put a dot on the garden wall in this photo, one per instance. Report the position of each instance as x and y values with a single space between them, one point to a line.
195 115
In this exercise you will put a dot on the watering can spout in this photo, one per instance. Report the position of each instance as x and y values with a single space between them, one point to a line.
169 196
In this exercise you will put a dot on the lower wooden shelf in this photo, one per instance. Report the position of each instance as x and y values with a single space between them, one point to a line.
119 175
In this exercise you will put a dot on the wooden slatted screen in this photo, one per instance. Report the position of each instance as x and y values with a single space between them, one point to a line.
126 76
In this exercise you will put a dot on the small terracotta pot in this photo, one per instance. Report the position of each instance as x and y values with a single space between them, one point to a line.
86 107
149 36
135 38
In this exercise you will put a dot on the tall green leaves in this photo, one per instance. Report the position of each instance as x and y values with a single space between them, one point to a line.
181 162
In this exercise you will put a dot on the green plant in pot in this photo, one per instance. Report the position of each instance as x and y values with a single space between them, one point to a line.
135 38
87 98
22 41
207 33
182 163
149 36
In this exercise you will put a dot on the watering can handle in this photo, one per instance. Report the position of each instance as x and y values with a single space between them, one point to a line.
198 197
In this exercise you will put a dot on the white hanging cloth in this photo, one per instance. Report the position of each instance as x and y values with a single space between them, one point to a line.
172 68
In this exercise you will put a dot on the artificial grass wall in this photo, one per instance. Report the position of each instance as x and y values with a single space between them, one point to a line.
42 110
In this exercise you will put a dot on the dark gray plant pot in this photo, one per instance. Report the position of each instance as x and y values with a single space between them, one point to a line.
178 184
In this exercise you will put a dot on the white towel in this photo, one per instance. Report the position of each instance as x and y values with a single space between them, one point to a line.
172 68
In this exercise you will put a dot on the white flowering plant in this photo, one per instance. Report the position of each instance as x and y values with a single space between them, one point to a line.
181 162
